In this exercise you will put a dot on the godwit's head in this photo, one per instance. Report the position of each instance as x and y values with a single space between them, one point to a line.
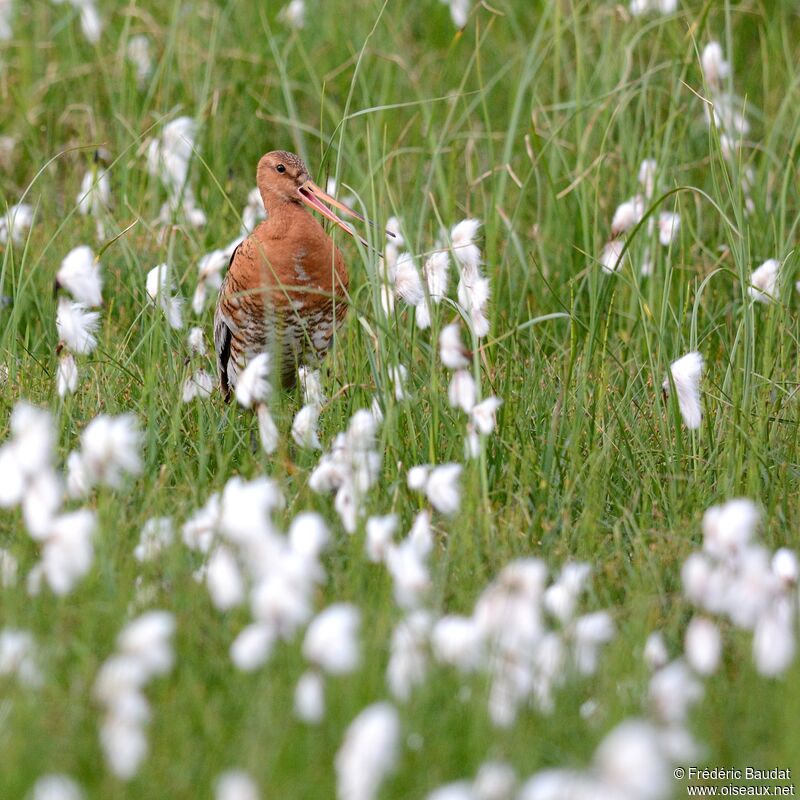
283 178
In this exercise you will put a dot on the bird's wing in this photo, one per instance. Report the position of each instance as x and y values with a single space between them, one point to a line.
222 336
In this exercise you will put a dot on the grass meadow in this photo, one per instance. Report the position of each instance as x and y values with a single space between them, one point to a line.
534 118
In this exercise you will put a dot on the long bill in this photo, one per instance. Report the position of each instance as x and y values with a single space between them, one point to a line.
315 197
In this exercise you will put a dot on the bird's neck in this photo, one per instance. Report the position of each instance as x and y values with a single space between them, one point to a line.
286 215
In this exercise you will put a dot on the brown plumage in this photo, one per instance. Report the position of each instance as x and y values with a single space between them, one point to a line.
286 284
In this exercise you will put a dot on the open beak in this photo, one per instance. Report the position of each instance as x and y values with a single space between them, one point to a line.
314 197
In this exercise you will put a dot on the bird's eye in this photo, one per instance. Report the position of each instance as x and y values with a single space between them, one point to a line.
280 168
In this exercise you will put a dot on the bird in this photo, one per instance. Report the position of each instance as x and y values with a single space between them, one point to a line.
285 290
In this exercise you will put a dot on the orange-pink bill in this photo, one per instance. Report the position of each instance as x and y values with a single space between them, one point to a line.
313 196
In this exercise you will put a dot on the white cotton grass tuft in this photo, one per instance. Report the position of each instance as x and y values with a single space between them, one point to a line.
473 297
168 158
440 484
647 177
19 657
89 18
156 535
137 52
655 651
628 215
484 414
735 577
465 251
410 575
458 642
459 11
6 14
457 790
309 697
308 535
67 552
76 326
715 67
452 352
398 375
161 292
209 276
641 7
380 532
253 385
408 661
669 224
224 579
331 640
369 752
786 566
351 468
507 637
79 274
407 282
703 645
267 429
634 760
93 198
764 282
236 784
66 374
198 384
196 341
473 288
611 255
144 651
168 155
774 642
15 224
310 383
686 373
253 213
252 648
304 428
495 780
110 450
462 391
293 14
56 786
9 566
436 272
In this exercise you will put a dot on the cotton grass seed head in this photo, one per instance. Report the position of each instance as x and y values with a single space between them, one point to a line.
368 754
686 373
407 281
253 385
236 784
715 67
331 641
443 490
764 282
160 291
309 697
611 255
56 787
703 645
452 352
80 275
628 215
304 428
110 449
66 374
16 223
76 326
